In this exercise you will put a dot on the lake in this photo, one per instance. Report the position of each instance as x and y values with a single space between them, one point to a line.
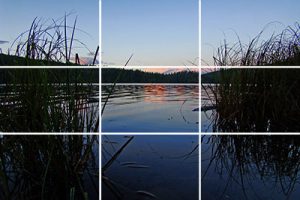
250 167
208 111
150 165
151 108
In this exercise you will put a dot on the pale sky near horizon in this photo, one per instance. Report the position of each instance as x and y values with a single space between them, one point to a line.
163 70
157 32
16 17
221 19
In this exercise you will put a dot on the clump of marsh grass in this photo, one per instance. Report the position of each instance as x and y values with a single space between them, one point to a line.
50 42
278 49
257 100
49 167
245 160
38 100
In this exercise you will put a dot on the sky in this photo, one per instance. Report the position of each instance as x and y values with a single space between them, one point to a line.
161 70
221 19
157 32
164 69
16 17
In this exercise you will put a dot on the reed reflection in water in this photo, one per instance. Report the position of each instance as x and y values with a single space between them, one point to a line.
151 108
250 167
49 167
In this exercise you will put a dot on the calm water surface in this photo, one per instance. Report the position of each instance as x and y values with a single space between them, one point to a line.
164 166
151 108
208 112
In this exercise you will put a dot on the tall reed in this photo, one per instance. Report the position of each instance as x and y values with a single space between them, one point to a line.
277 49
257 100
49 42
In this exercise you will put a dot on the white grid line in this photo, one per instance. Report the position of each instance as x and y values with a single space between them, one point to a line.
199 116
100 90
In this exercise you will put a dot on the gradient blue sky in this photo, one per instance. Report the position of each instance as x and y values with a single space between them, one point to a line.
158 32
16 16
246 18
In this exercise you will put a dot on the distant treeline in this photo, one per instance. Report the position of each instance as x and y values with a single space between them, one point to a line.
48 75
211 77
11 60
283 76
137 76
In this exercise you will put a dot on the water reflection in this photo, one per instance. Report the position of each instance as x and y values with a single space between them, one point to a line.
155 93
250 167
209 114
150 167
151 107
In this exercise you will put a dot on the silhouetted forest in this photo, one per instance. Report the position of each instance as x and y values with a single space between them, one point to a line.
49 75
11 60
211 77
137 76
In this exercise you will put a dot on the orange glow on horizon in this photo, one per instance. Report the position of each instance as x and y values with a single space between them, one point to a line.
163 70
